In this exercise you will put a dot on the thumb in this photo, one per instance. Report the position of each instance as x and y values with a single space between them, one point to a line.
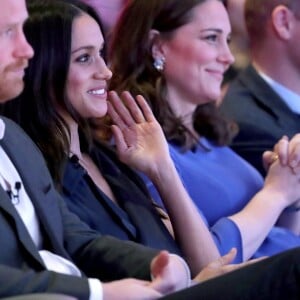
159 263
227 258
268 159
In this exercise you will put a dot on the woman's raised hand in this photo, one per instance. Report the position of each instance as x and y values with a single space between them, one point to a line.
138 136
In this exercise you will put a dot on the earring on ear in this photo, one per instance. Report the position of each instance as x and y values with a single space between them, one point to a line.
159 63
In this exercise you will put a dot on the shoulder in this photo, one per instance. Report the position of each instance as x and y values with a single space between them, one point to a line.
14 132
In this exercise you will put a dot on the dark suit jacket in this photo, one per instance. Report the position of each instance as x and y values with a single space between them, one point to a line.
21 268
134 219
262 116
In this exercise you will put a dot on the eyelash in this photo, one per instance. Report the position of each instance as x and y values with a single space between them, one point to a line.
7 32
211 37
214 37
86 57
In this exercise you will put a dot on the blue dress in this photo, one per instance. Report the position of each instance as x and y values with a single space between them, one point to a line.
221 183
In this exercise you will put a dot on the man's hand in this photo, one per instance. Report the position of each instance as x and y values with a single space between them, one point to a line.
169 273
129 289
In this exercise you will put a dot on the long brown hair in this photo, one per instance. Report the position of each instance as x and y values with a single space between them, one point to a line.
49 31
132 65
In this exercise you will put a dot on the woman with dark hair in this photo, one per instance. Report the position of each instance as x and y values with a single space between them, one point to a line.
65 85
176 58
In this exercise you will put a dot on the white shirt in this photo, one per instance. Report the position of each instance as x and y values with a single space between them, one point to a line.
290 98
8 177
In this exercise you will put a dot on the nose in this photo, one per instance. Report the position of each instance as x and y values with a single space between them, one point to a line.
226 55
22 47
102 71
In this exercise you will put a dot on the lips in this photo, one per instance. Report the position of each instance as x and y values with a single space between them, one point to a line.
98 92
217 74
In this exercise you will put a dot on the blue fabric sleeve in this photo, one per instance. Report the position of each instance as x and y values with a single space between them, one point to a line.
227 235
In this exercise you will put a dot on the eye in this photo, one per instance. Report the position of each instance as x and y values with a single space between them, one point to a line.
8 32
83 58
211 37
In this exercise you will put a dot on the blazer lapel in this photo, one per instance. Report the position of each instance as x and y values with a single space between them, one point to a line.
37 183
24 237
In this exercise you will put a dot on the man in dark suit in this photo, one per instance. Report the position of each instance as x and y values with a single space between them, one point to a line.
265 98
43 245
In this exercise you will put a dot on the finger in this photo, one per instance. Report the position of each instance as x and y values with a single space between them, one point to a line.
116 118
148 114
253 261
268 159
282 150
232 267
133 107
159 263
229 257
294 155
119 139
225 259
120 109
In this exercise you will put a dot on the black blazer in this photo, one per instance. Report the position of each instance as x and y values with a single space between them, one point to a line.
134 219
21 267
262 116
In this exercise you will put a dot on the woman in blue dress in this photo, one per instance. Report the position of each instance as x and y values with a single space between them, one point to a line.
176 59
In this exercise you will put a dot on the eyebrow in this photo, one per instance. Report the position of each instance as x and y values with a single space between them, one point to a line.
212 29
85 48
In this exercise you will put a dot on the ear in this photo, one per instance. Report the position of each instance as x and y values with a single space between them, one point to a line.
156 44
282 21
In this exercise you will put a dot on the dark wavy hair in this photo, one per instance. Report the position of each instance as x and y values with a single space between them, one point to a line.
132 65
49 31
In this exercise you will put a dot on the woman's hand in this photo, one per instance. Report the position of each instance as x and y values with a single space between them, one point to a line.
222 266
138 136
288 153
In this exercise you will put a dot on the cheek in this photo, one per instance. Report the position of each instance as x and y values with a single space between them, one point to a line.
74 82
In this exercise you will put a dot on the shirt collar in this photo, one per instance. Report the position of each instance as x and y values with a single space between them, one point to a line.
290 98
2 129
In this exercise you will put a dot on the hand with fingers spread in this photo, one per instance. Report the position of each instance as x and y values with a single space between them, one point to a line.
138 136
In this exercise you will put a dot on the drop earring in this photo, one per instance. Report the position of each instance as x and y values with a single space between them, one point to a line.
159 63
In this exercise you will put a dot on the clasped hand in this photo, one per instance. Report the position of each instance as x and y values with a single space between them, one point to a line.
283 166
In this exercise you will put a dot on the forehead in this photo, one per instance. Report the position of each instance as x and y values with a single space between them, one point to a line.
211 14
86 31
12 12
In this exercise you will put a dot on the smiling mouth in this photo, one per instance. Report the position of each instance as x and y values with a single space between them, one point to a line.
218 75
97 92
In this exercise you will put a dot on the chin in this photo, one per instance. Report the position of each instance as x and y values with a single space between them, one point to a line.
99 113
13 92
